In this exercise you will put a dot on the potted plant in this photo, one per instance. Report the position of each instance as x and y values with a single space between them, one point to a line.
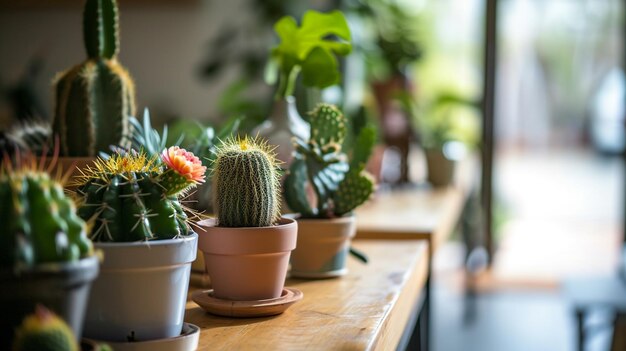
247 245
308 50
95 98
326 223
131 203
45 255
447 127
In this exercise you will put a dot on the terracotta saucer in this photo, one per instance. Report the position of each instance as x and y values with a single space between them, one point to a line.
187 341
243 309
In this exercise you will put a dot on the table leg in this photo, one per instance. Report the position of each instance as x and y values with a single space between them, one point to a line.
580 321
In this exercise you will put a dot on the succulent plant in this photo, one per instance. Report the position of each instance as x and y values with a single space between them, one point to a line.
44 331
30 136
246 183
95 98
132 197
340 185
40 221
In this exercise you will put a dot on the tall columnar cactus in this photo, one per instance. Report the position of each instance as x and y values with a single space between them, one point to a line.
39 222
133 197
339 186
246 186
44 331
95 98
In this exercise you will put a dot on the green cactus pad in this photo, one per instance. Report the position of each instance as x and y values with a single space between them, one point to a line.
246 184
328 127
353 191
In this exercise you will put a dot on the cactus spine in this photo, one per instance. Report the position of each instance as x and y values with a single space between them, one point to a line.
339 187
40 221
246 184
44 331
127 198
95 99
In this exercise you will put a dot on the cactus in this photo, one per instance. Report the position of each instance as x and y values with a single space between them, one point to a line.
40 222
340 186
44 331
95 98
246 184
133 197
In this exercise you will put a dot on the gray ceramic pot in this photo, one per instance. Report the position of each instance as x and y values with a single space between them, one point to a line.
141 291
61 287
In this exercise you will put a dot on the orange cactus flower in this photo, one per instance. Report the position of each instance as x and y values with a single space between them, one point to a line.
184 163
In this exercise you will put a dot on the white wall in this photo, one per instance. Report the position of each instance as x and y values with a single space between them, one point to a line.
162 46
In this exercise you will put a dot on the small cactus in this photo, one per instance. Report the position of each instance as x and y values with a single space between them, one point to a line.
340 186
44 331
132 197
246 184
95 98
40 222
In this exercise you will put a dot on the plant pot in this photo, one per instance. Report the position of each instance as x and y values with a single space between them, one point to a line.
61 287
247 263
323 245
440 168
142 290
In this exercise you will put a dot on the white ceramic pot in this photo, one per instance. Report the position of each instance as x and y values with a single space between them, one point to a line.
141 291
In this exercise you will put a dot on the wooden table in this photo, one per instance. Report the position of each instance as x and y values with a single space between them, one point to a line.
419 213
368 309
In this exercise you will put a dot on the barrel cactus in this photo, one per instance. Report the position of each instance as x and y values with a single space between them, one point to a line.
95 98
246 183
133 197
39 220
340 184
44 331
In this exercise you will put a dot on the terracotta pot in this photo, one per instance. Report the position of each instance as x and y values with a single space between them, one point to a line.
247 263
142 290
322 247
61 287
440 168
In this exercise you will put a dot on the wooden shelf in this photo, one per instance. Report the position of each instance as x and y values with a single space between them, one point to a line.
367 309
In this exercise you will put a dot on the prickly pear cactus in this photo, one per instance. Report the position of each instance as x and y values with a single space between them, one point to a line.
328 127
40 222
340 186
44 331
246 184
132 197
95 98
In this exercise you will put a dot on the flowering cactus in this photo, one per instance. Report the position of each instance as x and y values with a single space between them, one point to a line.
132 197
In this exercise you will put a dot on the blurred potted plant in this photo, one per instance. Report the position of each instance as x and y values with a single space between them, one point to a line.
309 50
447 126
131 203
95 98
247 246
45 255
390 46
326 223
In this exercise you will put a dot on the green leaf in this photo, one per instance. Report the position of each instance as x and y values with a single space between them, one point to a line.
320 69
312 47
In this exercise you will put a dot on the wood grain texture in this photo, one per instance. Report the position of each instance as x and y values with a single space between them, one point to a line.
418 213
365 310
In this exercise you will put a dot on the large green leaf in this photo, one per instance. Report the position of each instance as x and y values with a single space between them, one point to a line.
312 46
